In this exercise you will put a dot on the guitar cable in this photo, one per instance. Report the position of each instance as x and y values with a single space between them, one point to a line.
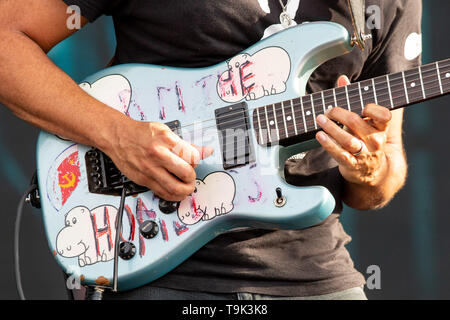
96 293
117 239
25 198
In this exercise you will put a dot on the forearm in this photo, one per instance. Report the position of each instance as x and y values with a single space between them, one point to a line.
369 197
40 93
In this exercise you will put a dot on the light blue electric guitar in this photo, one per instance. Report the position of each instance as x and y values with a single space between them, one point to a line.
251 109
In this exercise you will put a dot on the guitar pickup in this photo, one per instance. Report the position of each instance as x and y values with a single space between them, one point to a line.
233 129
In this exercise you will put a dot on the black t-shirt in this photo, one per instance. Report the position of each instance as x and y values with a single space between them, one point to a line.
194 33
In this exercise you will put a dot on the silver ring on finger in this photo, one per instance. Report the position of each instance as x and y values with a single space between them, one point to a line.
360 150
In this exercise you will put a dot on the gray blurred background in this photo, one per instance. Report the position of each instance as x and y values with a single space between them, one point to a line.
408 240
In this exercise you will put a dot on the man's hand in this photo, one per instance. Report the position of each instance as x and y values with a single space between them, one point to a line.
150 154
365 150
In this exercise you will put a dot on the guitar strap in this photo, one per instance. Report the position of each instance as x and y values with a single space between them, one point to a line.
357 12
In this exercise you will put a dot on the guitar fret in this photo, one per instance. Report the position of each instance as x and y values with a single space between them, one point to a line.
412 81
283 130
293 117
303 113
314 111
439 77
328 101
374 91
341 97
406 89
335 99
269 135
367 92
262 122
382 91
360 96
309 114
432 88
421 83
261 141
390 91
348 100
284 121
445 76
288 110
354 98
323 103
276 122
317 102
398 91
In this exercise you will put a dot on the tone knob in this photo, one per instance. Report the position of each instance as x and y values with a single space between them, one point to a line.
149 229
127 250
168 206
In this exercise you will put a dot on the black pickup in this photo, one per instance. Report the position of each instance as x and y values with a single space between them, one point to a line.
233 129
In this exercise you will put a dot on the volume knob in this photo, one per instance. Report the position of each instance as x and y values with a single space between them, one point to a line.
149 229
168 206
127 250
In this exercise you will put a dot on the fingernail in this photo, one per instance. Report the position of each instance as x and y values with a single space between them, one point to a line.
321 119
343 81
207 151
321 136
356 142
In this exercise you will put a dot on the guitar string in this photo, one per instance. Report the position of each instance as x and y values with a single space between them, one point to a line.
309 123
410 91
395 88
266 130
432 71
350 92
354 99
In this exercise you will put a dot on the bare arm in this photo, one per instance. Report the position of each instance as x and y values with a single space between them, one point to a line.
40 93
33 87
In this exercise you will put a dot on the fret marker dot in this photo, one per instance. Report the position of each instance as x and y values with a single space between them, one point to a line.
447 75
289 118
272 122
413 85
308 113
366 88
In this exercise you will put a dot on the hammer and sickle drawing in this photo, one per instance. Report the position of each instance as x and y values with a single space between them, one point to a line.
70 182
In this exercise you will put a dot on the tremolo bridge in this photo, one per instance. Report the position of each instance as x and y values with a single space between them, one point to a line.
233 131
104 177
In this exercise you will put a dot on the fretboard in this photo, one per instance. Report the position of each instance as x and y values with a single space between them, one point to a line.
292 118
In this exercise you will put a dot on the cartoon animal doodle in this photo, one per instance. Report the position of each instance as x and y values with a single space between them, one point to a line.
255 76
102 88
213 196
88 235
63 177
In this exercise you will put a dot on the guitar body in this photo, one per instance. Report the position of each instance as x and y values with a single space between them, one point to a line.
80 224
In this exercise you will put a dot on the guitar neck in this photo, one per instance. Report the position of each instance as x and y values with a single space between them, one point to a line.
293 118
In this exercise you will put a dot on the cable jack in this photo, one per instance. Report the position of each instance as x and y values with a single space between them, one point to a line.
94 293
